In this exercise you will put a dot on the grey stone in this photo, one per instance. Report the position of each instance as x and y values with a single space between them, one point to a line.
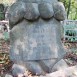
59 65
46 10
31 11
65 72
38 1
34 67
33 40
47 64
16 13
59 11
18 69
36 44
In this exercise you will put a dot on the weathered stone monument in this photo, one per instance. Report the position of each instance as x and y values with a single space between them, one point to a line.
36 36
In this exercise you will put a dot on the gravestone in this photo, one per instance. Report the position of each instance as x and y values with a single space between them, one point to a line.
36 35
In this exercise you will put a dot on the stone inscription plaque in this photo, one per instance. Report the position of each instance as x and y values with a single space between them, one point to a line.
40 40
35 40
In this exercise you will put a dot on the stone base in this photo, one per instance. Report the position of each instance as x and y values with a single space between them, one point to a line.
67 72
39 67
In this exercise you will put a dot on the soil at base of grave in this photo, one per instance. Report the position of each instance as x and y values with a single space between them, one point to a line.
6 64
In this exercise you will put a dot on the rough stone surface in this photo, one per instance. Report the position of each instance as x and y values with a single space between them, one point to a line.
38 1
34 67
18 69
59 11
36 40
36 44
47 64
16 13
46 10
31 11
65 72
59 65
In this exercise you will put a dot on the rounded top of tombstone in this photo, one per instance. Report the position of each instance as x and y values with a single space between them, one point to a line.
38 1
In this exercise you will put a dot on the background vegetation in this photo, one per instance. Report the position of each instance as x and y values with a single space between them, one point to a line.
71 8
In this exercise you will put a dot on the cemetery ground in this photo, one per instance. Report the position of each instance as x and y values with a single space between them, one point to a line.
6 64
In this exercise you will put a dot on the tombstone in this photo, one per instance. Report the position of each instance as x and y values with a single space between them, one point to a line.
35 35
2 14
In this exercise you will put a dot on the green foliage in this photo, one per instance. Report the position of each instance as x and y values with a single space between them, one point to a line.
2 14
71 32
72 8
6 36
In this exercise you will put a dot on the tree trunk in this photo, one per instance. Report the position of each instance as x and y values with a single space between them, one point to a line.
68 8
